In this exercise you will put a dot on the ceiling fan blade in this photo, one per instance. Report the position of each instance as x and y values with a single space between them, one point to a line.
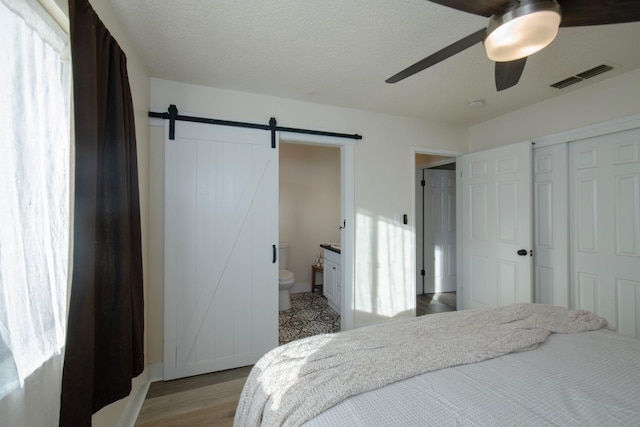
477 7
508 73
439 56
578 13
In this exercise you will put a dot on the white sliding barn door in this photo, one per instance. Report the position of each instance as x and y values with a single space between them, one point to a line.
605 218
495 202
440 230
221 228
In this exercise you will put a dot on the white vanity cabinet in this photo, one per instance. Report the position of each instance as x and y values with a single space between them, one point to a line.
332 279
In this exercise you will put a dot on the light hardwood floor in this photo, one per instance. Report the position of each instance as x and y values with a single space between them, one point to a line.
429 304
205 400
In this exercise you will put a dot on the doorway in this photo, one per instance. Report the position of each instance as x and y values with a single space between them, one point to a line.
435 233
309 215
347 215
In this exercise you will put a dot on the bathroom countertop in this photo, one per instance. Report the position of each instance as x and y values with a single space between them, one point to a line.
332 247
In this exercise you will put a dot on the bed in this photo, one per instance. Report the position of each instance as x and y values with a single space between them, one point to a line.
525 364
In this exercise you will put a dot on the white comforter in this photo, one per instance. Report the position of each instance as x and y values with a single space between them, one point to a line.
295 382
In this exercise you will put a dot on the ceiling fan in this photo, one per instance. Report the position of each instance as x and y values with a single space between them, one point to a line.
517 29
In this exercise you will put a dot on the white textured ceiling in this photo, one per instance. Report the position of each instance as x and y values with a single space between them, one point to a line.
339 52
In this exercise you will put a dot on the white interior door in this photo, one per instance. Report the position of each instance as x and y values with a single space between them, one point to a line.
221 236
605 213
440 230
420 235
551 228
495 201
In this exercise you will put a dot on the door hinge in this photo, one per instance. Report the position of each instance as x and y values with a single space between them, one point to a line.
423 183
423 273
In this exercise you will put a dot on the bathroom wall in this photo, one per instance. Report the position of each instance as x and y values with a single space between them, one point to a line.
309 205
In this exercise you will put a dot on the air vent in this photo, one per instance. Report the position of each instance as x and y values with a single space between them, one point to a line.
566 82
594 71
582 76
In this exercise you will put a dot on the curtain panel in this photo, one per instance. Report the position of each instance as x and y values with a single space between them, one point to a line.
34 191
104 345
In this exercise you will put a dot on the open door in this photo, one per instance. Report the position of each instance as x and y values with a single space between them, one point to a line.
439 234
495 206
221 237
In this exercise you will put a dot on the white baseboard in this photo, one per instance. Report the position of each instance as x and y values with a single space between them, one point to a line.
136 400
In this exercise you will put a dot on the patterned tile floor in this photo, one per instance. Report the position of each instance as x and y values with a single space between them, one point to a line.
309 315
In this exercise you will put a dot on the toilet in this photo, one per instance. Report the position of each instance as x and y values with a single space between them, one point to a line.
286 278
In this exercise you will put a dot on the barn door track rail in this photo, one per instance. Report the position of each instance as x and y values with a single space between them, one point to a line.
172 115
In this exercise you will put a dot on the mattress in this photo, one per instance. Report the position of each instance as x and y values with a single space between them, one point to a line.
589 378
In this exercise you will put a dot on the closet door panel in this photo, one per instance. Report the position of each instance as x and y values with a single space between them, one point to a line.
605 214
551 234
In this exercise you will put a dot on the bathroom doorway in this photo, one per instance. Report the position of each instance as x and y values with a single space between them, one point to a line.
310 214
435 198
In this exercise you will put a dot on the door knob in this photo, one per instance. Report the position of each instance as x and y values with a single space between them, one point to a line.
522 252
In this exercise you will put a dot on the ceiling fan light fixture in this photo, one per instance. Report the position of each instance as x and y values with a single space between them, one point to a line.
522 31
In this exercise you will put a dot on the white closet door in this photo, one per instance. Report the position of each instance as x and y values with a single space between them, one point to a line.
605 213
440 230
551 227
221 228
495 202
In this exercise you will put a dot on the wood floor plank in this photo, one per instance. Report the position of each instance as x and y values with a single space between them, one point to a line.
426 304
214 401
163 388
219 415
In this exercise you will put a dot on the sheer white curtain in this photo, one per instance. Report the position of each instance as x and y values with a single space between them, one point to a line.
34 189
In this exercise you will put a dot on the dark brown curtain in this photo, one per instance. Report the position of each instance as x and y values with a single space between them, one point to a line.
104 348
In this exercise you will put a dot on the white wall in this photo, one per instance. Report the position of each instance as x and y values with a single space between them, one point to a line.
384 250
606 100
309 204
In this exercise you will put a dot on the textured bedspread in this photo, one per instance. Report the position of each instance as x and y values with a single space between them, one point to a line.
295 382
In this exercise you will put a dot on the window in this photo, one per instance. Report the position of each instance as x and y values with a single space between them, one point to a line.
34 194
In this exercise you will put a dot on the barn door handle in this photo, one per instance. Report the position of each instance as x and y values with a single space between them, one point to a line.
522 252
274 254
